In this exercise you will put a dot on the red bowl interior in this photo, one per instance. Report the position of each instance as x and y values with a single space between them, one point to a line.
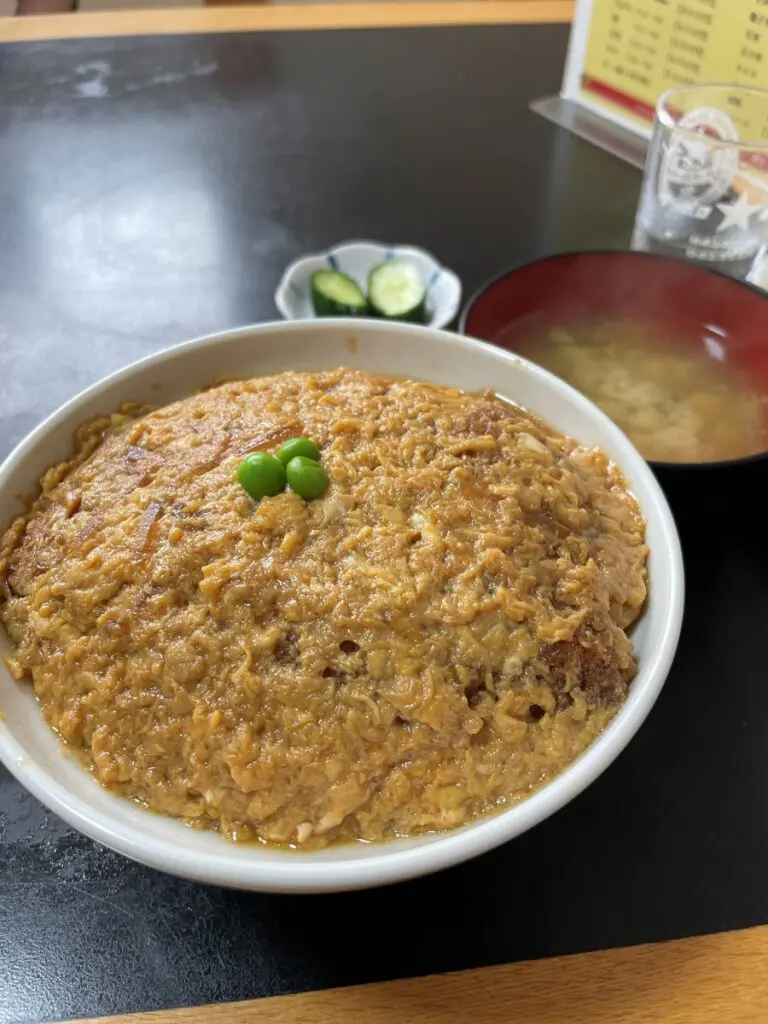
699 305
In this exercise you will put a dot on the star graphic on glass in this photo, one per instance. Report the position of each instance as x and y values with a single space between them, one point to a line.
737 214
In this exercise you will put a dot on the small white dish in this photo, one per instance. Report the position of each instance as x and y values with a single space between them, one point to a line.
30 750
357 259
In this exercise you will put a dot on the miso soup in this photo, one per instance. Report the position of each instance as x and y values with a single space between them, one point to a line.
678 399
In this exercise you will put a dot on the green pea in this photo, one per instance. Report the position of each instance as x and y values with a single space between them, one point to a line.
306 477
261 475
298 446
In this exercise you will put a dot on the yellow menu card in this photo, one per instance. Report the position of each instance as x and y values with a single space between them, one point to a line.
625 53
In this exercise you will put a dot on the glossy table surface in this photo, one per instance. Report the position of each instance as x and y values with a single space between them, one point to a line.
153 189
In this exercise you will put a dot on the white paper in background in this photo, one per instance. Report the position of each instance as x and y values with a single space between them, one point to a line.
623 54
589 121
574 69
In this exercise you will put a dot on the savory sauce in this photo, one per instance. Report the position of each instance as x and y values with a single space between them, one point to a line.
436 636
676 398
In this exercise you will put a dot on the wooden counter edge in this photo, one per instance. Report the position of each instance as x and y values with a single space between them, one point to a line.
288 17
703 980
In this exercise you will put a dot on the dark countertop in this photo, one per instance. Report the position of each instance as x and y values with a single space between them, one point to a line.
153 189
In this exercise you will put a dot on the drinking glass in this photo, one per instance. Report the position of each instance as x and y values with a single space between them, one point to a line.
705 188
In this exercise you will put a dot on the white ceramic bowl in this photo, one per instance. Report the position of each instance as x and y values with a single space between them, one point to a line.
32 753
357 259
